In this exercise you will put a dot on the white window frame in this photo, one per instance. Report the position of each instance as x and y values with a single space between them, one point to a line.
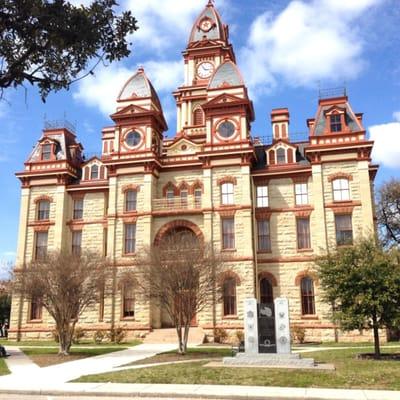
262 196
301 193
341 189
227 193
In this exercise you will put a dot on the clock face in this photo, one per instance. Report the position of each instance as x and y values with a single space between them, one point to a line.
226 129
205 25
205 70
132 139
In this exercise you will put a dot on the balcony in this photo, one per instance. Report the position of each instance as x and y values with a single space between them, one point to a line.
177 203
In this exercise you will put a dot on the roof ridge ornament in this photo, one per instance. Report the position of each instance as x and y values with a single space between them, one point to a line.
210 3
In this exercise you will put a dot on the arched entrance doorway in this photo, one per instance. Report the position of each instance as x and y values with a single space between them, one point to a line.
168 235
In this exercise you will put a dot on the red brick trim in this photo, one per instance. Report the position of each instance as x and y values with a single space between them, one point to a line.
170 186
340 175
196 185
179 223
304 274
301 178
227 213
184 186
132 186
43 197
229 274
227 179
269 276
303 213
263 213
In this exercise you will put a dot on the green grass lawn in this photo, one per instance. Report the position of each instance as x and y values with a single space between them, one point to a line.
48 343
350 373
3 367
44 356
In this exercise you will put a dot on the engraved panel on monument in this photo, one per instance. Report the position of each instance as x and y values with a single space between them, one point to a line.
266 328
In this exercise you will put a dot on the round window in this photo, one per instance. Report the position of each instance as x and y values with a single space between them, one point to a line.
226 129
132 139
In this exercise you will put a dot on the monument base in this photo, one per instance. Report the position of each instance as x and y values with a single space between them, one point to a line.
271 360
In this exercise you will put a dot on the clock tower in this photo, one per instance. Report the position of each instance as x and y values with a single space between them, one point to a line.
207 49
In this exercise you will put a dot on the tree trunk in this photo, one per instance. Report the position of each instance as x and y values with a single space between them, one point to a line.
65 339
376 337
186 337
180 341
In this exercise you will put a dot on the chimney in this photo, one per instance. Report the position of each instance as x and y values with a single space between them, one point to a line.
280 124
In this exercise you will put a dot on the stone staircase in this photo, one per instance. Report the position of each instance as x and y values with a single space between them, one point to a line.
168 335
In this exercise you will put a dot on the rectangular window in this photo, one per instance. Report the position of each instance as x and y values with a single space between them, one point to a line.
76 243
344 229
227 194
264 236
301 191
336 123
105 242
130 200
78 209
228 233
262 196
303 233
197 198
101 303
170 197
128 302
130 238
36 309
43 210
40 245
46 152
281 156
341 190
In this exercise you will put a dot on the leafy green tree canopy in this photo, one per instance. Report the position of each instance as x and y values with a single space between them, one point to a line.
51 43
363 283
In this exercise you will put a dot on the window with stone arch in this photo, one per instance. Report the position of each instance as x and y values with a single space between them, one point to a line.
130 200
307 296
341 189
229 296
227 193
266 291
198 117
43 210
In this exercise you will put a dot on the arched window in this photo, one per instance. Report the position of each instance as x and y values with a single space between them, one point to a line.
266 292
43 210
227 193
229 296
197 197
128 301
341 189
94 172
198 117
307 296
130 200
281 156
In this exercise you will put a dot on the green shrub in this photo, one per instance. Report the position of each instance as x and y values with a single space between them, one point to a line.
299 334
240 336
116 335
79 333
56 338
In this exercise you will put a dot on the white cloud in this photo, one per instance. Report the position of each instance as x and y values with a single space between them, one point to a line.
387 143
305 43
101 90
396 116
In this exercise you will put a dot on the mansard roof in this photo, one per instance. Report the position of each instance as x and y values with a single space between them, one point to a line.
218 30
138 86
227 74
339 104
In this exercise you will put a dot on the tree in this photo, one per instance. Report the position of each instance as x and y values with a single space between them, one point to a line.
180 274
388 212
51 43
65 285
363 283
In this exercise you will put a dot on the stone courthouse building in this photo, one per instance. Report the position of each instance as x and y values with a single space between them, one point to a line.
270 207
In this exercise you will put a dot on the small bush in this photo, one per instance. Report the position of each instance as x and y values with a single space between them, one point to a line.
56 338
220 335
98 337
299 334
240 336
79 333
116 335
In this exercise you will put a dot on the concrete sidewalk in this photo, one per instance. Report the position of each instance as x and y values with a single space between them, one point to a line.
202 391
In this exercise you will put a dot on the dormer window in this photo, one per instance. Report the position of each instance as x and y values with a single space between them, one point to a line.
94 172
336 123
46 152
281 156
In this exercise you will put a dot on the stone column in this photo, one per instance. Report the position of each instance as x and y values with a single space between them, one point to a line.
282 327
250 326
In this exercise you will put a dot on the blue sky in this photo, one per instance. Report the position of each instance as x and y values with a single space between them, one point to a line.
285 49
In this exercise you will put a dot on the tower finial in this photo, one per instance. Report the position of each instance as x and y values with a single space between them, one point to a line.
210 3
